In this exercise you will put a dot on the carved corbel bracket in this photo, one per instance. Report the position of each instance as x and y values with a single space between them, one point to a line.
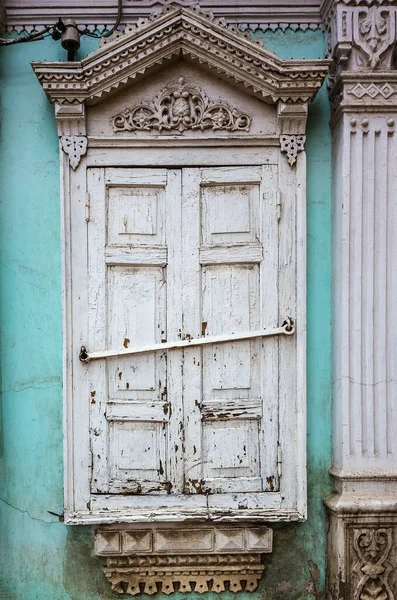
75 146
292 125
291 145
184 558
71 124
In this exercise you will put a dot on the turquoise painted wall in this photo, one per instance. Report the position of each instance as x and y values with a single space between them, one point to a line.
42 559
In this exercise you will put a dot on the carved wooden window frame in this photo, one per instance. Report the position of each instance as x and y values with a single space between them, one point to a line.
73 88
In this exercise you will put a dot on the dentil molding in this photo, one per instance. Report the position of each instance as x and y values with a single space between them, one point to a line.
101 14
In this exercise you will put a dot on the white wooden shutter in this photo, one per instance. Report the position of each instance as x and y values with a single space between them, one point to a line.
229 281
133 278
171 254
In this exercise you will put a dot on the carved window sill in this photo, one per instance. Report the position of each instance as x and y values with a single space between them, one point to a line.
185 559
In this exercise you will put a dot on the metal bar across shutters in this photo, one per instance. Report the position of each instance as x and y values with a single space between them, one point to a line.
287 328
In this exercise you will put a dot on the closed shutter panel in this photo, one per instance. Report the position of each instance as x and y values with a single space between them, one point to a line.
230 286
174 254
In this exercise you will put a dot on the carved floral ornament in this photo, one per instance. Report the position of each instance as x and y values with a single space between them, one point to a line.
371 548
181 108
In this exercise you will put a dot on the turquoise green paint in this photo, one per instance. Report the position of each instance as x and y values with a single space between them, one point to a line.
41 558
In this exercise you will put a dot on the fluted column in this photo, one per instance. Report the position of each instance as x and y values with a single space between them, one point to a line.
362 540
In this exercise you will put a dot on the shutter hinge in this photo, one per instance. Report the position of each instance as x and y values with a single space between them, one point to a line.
88 209
279 462
278 206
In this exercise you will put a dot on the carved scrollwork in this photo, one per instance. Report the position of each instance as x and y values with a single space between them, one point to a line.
372 548
292 144
181 108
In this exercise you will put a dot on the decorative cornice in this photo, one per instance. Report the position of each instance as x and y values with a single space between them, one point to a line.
194 34
262 14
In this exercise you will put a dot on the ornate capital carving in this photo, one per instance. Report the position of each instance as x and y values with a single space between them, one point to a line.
178 109
292 126
182 558
362 37
361 33
75 146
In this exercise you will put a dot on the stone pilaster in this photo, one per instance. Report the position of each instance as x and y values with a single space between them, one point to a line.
363 88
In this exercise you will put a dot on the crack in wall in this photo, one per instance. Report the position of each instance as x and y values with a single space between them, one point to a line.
26 512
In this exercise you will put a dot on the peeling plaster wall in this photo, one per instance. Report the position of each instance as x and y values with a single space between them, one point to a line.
42 559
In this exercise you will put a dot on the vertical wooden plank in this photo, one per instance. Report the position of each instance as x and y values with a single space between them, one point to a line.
75 314
97 329
269 347
174 329
231 301
298 348
192 326
290 409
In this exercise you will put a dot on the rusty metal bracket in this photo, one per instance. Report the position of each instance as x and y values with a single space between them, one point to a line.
287 328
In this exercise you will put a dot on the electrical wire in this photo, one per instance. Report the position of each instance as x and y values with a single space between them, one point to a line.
56 30
108 33
33 37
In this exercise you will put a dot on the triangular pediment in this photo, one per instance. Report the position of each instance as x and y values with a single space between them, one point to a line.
194 35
